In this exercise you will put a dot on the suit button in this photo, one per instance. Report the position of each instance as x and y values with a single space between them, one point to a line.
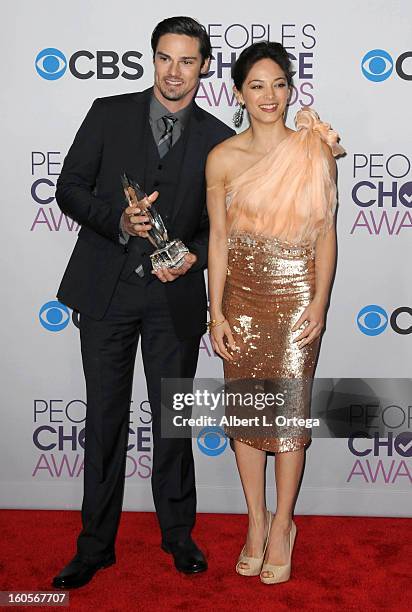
156 183
160 167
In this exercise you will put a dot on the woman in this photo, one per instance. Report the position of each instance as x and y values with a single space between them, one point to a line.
271 203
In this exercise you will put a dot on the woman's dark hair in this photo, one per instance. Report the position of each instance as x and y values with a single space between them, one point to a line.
260 50
183 25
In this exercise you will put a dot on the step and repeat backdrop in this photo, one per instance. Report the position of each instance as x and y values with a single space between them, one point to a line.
353 65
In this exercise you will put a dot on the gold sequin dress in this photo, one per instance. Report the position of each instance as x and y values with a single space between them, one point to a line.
275 211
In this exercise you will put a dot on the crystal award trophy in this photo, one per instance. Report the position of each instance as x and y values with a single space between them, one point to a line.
169 253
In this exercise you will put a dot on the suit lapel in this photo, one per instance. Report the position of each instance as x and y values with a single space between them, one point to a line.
142 133
193 158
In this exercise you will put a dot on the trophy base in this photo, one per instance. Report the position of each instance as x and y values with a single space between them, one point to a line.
171 256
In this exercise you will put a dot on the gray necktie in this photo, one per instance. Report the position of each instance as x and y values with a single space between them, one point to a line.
165 143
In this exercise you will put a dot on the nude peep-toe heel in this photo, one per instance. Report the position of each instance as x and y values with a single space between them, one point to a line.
280 573
254 563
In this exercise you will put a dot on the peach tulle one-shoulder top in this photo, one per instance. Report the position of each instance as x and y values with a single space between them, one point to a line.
288 194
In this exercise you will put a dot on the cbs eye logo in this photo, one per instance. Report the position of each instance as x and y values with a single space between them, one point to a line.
377 65
372 320
212 441
50 64
54 316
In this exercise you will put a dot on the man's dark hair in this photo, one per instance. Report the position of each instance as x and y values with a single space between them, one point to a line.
183 25
260 50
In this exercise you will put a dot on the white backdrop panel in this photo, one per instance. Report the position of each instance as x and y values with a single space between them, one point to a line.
42 412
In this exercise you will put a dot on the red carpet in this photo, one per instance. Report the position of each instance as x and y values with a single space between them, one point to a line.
339 564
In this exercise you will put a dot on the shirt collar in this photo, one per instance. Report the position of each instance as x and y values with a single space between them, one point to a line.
158 110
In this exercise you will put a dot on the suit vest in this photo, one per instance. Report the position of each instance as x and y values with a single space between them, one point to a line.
162 175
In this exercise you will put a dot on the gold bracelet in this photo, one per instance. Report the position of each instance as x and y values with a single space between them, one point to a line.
214 323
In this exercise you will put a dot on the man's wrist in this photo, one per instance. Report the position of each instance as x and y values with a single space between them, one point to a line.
123 234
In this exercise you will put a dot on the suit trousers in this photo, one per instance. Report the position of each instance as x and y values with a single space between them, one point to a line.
108 351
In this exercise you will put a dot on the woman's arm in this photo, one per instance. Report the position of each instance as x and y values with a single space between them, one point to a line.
217 259
325 253
325 261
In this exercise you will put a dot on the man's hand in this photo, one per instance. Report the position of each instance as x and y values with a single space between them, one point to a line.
134 221
170 274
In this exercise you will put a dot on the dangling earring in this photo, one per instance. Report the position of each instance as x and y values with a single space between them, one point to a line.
238 116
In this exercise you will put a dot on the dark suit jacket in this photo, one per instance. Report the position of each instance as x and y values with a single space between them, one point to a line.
111 140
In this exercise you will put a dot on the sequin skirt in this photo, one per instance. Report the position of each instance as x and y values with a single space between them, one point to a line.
268 285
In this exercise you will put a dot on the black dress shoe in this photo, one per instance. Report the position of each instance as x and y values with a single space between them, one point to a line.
188 558
79 572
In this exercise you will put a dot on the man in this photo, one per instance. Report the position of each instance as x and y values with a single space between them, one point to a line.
161 138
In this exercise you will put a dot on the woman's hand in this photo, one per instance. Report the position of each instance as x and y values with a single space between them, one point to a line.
221 337
314 317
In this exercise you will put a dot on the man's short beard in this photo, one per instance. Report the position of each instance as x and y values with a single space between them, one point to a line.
172 96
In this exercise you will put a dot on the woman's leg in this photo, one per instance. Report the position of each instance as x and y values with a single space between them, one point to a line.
251 464
288 473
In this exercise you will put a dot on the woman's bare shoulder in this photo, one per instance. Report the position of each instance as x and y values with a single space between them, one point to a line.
227 147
